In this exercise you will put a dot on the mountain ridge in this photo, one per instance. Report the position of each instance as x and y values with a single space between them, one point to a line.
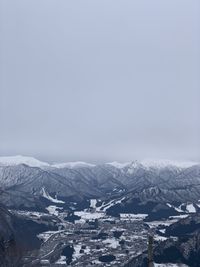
146 163
20 184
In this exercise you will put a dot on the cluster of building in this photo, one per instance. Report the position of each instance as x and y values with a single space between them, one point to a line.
94 241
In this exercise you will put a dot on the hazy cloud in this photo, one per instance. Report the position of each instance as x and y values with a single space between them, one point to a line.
100 80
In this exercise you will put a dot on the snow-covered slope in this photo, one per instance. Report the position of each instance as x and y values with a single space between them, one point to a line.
16 160
47 196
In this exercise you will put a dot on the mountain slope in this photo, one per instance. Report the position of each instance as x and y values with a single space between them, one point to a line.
164 182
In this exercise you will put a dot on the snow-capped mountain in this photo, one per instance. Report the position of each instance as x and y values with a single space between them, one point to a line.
23 181
146 163
17 160
32 162
160 163
150 163
71 165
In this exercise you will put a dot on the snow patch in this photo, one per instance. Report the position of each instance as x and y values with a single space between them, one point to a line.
93 203
77 253
53 210
89 215
47 196
106 206
134 217
162 231
112 242
190 208
159 238
177 209
179 216
61 260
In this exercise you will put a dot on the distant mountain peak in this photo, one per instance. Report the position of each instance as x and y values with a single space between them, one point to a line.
72 165
32 162
17 160
162 163
152 163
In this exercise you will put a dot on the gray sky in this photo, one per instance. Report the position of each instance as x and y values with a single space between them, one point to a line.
100 80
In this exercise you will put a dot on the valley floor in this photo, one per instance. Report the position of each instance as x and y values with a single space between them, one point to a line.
93 238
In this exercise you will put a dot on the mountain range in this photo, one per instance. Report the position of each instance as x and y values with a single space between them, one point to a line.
26 182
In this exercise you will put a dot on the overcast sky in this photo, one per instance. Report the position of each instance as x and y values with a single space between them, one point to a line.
100 80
